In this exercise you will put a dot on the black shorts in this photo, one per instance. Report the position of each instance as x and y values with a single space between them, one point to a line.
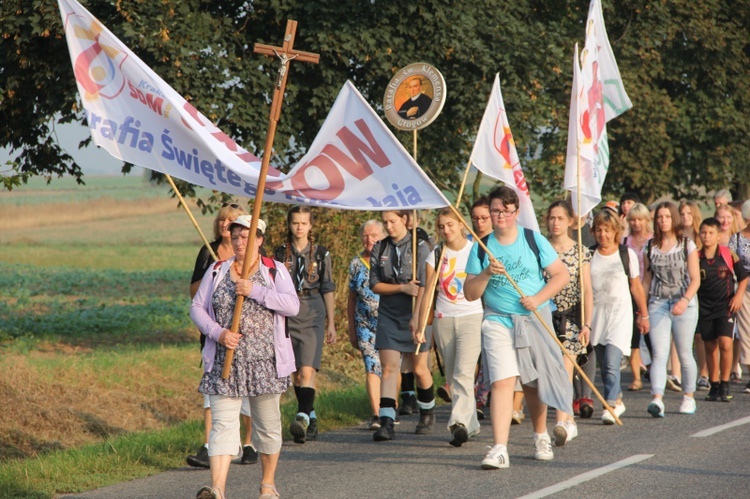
712 329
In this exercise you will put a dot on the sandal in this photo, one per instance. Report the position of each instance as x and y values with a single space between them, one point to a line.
273 495
635 386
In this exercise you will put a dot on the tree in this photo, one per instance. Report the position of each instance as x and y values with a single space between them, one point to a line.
684 66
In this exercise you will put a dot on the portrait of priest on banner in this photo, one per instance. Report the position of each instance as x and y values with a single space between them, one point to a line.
418 98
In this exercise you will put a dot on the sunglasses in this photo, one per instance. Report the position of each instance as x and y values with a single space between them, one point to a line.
232 205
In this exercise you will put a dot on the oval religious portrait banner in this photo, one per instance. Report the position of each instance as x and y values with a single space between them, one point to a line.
414 97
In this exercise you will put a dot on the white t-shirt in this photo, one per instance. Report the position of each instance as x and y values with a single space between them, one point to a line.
612 322
451 277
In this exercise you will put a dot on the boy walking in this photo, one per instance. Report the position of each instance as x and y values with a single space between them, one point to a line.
717 306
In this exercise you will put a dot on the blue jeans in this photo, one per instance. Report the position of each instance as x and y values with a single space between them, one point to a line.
665 326
609 357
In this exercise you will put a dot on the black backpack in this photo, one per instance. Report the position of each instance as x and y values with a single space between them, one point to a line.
624 257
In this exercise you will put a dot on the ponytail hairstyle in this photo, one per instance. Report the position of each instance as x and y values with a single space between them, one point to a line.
448 212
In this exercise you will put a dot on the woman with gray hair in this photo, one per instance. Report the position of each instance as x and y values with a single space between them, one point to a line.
362 314
740 244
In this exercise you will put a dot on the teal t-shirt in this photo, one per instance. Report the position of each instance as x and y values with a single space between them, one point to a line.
521 264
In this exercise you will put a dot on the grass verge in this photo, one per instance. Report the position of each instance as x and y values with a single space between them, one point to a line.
141 454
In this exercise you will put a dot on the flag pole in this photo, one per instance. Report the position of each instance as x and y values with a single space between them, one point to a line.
546 326
285 53
192 218
414 233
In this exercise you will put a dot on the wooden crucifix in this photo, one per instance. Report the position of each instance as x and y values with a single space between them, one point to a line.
286 54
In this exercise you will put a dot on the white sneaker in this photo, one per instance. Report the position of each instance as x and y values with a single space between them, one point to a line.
543 448
656 408
497 457
619 410
572 428
560 432
688 405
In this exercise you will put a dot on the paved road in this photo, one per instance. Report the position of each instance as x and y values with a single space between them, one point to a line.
646 457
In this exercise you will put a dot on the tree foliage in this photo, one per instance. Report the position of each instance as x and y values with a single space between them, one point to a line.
685 66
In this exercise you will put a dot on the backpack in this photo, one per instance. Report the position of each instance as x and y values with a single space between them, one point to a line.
530 240
269 263
624 257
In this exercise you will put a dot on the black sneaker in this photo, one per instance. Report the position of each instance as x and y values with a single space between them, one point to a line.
480 413
460 435
408 404
298 429
312 429
713 392
747 388
724 391
426 420
249 455
386 431
200 459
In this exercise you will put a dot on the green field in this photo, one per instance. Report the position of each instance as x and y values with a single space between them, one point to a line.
100 358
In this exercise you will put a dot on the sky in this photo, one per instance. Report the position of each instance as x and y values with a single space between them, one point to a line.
93 160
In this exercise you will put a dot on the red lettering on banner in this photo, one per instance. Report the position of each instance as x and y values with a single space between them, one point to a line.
331 173
520 180
356 147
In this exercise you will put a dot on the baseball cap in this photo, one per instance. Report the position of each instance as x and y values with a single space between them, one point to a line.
246 220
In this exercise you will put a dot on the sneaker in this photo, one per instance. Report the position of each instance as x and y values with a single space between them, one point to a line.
200 459
724 392
688 405
703 384
444 393
298 428
496 458
586 408
480 413
747 388
735 379
713 393
426 420
572 429
386 431
577 407
543 448
209 493
460 435
396 421
312 429
560 432
249 455
619 410
674 384
518 417
374 423
656 408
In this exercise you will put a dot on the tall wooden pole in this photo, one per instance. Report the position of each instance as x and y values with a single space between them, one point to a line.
414 233
192 218
285 53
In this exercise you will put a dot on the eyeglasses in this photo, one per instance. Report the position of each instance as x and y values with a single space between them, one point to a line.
503 214
233 206
479 219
